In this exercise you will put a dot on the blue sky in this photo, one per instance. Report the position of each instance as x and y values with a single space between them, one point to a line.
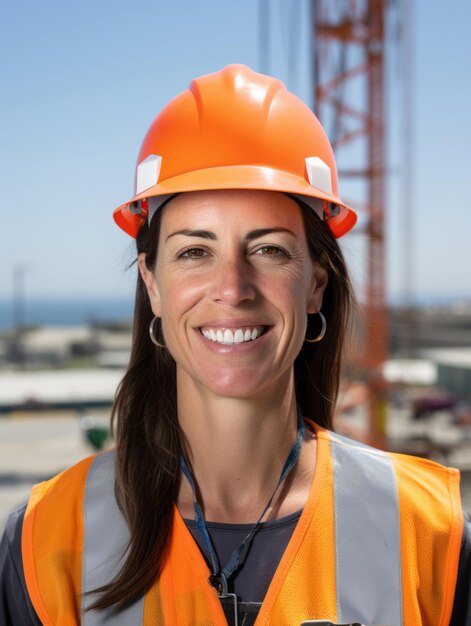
81 82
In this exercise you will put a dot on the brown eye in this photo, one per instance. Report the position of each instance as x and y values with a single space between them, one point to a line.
272 251
192 253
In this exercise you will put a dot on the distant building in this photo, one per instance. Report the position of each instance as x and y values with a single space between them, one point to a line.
453 370
429 327
57 345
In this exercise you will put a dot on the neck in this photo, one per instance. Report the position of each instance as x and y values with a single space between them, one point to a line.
236 448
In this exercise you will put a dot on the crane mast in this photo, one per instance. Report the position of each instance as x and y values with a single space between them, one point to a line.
348 70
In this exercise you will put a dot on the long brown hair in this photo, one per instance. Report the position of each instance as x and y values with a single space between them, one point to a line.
144 415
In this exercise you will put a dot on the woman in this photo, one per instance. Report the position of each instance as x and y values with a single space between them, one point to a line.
227 499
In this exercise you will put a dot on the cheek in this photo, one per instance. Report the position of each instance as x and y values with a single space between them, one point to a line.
289 286
179 294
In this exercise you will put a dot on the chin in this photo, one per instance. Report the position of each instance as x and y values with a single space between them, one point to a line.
242 386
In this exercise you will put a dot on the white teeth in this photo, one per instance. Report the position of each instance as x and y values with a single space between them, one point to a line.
238 336
229 337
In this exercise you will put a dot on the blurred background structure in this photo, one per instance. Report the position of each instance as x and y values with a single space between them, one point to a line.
82 84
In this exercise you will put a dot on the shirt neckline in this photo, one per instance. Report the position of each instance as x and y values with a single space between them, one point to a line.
230 526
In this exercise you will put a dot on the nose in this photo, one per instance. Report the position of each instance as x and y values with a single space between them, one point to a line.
232 282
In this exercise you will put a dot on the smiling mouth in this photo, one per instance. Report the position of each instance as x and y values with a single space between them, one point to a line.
228 337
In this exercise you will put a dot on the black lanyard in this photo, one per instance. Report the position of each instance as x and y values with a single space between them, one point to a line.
220 576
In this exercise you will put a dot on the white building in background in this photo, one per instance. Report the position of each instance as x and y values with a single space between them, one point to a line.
58 389
411 371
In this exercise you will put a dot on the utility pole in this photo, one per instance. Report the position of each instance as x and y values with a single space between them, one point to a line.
408 176
264 35
19 313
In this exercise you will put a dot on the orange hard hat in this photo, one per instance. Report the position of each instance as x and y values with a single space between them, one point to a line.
236 129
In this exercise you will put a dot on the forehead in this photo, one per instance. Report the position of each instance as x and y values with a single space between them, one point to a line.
232 208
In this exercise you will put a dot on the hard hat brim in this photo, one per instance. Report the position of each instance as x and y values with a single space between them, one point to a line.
254 177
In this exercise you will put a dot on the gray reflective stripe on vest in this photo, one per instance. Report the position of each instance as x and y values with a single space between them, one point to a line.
105 541
367 534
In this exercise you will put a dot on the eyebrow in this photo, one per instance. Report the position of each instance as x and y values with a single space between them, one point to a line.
253 234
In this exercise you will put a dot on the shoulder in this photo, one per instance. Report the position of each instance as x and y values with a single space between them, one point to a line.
11 540
57 504
14 525
462 602
412 473
426 492
67 486
15 604
44 495
429 498
421 467
53 531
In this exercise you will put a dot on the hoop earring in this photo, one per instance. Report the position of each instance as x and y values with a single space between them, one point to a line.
323 329
152 335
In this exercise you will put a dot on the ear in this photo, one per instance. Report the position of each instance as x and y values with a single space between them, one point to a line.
319 283
151 285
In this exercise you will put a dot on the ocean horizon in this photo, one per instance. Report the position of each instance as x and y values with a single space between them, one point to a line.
67 311
57 311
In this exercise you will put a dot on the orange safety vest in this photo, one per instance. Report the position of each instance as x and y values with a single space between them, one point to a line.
378 542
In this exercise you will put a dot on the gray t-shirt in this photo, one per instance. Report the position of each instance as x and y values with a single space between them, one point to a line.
251 582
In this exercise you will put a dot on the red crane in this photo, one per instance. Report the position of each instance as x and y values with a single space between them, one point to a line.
348 66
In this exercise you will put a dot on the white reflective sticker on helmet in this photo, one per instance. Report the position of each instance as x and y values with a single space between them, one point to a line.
148 171
319 174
